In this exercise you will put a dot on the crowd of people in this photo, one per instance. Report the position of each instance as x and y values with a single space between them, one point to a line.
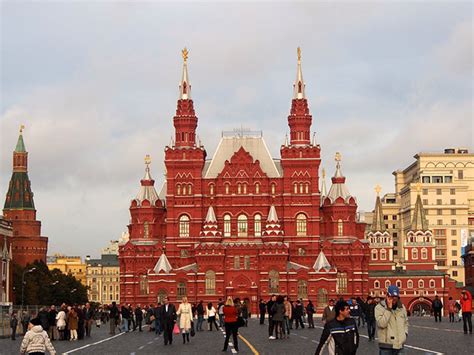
341 319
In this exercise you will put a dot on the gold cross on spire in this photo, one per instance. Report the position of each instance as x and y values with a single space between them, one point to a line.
185 54
147 160
298 51
22 127
324 173
338 157
378 189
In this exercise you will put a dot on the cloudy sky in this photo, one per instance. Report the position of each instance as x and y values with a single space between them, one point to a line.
96 85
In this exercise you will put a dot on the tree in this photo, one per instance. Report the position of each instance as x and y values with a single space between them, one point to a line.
47 287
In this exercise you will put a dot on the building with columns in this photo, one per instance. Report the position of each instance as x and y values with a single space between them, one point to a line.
6 267
27 243
243 224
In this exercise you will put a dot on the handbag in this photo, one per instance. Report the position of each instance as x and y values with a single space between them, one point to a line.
193 333
152 318
176 329
240 322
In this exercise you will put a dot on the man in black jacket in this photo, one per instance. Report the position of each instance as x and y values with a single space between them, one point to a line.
167 318
340 334
262 306
369 311
138 318
113 317
271 325
437 307
299 314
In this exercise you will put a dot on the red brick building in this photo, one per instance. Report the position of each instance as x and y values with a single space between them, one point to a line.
6 270
27 243
417 276
243 223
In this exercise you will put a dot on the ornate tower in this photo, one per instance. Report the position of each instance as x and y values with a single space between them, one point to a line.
381 242
19 208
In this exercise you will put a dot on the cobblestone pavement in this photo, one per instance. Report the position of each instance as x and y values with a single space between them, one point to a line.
426 337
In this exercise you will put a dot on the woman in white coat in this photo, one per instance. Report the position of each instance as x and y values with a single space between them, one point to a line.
185 313
61 323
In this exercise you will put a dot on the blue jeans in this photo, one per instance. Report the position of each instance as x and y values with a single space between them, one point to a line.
286 326
125 325
199 323
158 329
392 351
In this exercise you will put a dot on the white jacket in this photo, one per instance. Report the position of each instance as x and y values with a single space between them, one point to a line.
36 340
61 320
392 326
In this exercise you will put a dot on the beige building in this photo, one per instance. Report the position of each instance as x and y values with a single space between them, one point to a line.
446 184
68 265
103 276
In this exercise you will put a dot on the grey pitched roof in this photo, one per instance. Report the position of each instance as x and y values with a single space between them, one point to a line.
253 144
321 262
105 260
162 264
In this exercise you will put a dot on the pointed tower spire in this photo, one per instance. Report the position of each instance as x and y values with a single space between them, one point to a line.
185 120
299 85
184 85
323 185
147 188
210 228
286 140
378 224
272 227
338 187
321 263
162 264
299 119
419 222
20 145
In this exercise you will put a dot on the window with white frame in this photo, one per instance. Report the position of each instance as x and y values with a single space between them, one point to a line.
210 282
227 225
301 227
273 281
340 228
184 226
258 225
410 284
242 227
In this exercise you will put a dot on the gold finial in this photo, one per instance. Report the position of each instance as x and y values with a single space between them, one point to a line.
418 187
378 189
324 173
299 54
22 127
338 157
185 53
147 160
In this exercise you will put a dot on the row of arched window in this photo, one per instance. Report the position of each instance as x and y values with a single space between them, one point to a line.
421 283
184 189
243 225
301 188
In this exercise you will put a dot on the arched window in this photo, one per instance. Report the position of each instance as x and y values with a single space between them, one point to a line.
227 225
189 189
387 283
322 297
432 284
414 253
257 188
237 262
183 189
340 228
273 281
227 188
181 290
239 189
301 224
162 295
301 187
302 289
421 284
383 254
341 282
409 284
245 189
178 189
424 253
295 188
374 254
377 284
184 226
258 225
144 290
242 228
399 283
273 188
211 189
247 262
306 188
210 282
145 230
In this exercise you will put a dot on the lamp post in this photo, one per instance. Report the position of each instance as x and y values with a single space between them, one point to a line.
23 284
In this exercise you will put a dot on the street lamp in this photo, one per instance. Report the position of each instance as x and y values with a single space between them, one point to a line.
54 283
23 284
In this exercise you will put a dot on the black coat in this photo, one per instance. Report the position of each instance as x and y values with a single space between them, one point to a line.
168 317
43 316
200 309
138 314
299 311
125 313
437 305
262 307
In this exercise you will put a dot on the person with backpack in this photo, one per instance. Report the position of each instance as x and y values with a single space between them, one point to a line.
437 308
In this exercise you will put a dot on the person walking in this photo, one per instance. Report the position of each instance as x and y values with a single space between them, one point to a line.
245 313
231 326
13 324
340 334
52 330
157 313
167 320
287 317
466 307
299 314
138 318
271 326
220 311
329 313
355 311
125 317
310 310
61 323
392 323
278 310
211 316
451 309
369 311
114 318
43 316
185 314
25 319
262 309
200 315
36 340
88 318
437 307
72 323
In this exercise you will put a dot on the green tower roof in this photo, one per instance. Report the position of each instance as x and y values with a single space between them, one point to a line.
20 145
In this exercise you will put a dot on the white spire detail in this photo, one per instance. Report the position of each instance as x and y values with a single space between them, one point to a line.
162 264
323 186
211 216
184 85
286 140
299 84
314 139
147 188
321 263
272 215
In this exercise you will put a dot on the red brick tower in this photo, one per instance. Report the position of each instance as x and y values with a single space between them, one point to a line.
27 243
